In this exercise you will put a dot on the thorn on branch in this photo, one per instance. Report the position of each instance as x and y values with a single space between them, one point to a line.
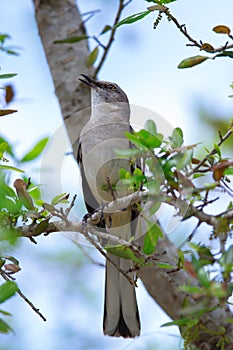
183 26
220 135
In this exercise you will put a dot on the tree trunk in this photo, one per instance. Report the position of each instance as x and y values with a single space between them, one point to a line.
59 19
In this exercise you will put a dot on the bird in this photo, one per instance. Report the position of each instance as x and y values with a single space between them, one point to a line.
102 135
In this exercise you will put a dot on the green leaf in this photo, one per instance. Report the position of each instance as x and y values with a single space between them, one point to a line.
4 327
50 208
133 138
133 18
71 39
229 320
3 37
3 148
8 167
106 29
177 138
228 171
197 175
34 192
7 76
225 54
11 52
182 322
192 61
203 278
92 57
60 198
122 173
183 159
154 187
151 127
41 227
10 235
165 265
148 140
7 290
217 149
128 153
154 208
190 289
151 238
36 151
227 257
9 148
123 252
6 313
166 1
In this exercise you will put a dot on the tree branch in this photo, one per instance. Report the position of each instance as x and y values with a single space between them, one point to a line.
222 139
162 284
34 308
121 7
182 27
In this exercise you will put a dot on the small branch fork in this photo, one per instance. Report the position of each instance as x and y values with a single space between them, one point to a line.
183 30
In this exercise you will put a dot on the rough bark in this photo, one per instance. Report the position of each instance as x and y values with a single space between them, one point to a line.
58 19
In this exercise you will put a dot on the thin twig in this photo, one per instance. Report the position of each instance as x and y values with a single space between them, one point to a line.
110 188
181 27
194 231
99 42
120 204
89 15
214 151
107 257
68 210
183 30
84 251
36 310
111 38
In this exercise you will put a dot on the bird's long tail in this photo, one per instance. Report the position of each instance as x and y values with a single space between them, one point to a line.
121 316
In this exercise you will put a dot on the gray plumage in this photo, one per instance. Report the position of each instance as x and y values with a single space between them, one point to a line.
100 138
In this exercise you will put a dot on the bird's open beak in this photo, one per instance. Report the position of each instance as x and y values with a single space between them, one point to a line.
90 81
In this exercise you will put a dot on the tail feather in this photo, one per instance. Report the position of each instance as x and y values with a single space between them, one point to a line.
121 316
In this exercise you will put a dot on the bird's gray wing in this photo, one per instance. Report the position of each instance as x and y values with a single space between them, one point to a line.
90 201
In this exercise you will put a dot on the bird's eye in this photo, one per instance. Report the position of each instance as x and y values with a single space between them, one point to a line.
111 87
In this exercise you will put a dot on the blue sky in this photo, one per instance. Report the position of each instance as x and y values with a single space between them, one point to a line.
144 62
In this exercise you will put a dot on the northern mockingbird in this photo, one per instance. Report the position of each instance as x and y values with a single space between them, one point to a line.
103 134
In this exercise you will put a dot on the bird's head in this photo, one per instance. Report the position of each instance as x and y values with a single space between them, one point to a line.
104 91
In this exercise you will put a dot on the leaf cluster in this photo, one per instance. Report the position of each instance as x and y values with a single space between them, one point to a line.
10 50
